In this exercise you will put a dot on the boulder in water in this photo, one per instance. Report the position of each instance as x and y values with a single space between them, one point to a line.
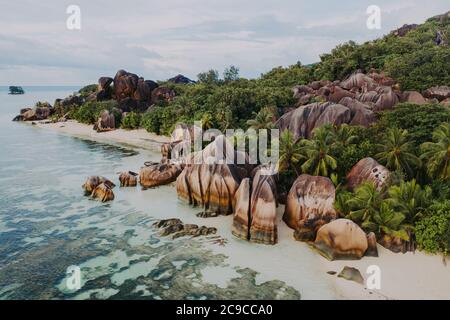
103 192
128 179
158 174
94 181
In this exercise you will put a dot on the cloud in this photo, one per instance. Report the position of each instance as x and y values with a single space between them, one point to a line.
157 39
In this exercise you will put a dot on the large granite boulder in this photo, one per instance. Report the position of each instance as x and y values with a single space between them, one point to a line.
104 83
210 186
303 120
439 92
309 205
106 122
241 217
369 170
208 180
144 90
403 30
341 239
125 84
162 94
413 97
180 79
361 114
337 93
358 80
255 210
158 174
383 98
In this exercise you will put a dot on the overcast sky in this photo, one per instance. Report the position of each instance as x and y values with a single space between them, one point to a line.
159 39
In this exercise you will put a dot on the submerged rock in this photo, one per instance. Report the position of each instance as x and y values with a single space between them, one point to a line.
94 181
351 274
369 170
341 239
128 179
310 205
177 229
158 174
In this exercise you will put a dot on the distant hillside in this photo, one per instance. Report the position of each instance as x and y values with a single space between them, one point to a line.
417 56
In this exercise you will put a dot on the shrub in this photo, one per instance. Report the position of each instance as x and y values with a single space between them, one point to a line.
419 120
433 231
132 120
151 120
90 111
87 90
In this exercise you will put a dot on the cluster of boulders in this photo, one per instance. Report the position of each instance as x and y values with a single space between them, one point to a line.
353 101
310 212
41 111
132 93
99 188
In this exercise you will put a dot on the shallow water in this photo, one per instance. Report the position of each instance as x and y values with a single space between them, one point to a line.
47 225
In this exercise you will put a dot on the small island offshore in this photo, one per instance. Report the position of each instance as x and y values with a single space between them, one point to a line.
362 173
16 90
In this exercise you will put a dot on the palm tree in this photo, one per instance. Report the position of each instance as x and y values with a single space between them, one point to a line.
290 152
317 151
387 222
395 152
264 119
343 135
207 121
341 203
409 199
437 153
365 203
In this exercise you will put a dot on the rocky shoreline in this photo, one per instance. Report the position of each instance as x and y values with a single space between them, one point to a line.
397 267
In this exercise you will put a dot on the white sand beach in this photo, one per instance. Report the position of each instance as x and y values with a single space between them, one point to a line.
136 138
403 276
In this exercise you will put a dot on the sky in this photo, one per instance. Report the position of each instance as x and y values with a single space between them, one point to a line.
160 39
